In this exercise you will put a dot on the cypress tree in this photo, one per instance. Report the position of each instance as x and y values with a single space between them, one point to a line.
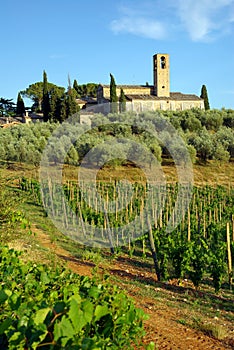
113 95
69 82
76 88
62 109
71 104
20 108
204 95
122 101
46 98
54 112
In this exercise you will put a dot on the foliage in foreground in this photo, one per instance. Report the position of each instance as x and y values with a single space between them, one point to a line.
55 309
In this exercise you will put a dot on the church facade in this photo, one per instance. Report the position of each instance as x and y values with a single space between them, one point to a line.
140 98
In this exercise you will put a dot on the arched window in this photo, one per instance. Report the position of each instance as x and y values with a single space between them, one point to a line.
163 62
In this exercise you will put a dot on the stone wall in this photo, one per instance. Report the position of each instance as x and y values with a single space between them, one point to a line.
176 105
127 91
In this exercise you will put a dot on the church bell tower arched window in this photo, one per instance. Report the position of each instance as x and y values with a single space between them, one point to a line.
163 62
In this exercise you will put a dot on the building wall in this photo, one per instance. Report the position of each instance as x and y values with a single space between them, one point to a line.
127 91
142 106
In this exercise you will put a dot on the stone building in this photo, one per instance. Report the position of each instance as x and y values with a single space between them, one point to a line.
153 97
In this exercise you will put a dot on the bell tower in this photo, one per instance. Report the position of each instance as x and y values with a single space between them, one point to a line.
161 75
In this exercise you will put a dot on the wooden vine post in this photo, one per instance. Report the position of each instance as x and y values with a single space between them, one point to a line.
229 256
81 219
51 197
109 233
65 214
204 224
189 226
153 250
233 228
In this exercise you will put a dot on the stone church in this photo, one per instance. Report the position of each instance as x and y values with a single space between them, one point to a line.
141 98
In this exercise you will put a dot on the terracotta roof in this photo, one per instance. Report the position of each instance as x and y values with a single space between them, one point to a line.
128 86
173 96
180 96
86 100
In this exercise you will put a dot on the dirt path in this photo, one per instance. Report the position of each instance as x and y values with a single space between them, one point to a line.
168 334
162 327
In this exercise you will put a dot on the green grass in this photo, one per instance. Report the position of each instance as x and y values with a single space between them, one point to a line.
212 173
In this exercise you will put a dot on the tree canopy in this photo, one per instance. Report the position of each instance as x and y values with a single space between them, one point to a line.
7 106
84 90
35 93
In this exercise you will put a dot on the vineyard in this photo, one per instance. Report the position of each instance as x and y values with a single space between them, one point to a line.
46 308
40 303
193 242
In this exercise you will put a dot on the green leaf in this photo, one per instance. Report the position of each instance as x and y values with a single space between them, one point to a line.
44 278
77 298
88 307
14 301
94 292
57 331
4 294
131 314
5 324
23 322
63 329
40 315
101 311
76 315
16 338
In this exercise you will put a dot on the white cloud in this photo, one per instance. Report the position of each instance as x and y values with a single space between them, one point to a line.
138 22
202 18
140 26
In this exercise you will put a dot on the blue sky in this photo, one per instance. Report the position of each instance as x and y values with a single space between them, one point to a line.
91 39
